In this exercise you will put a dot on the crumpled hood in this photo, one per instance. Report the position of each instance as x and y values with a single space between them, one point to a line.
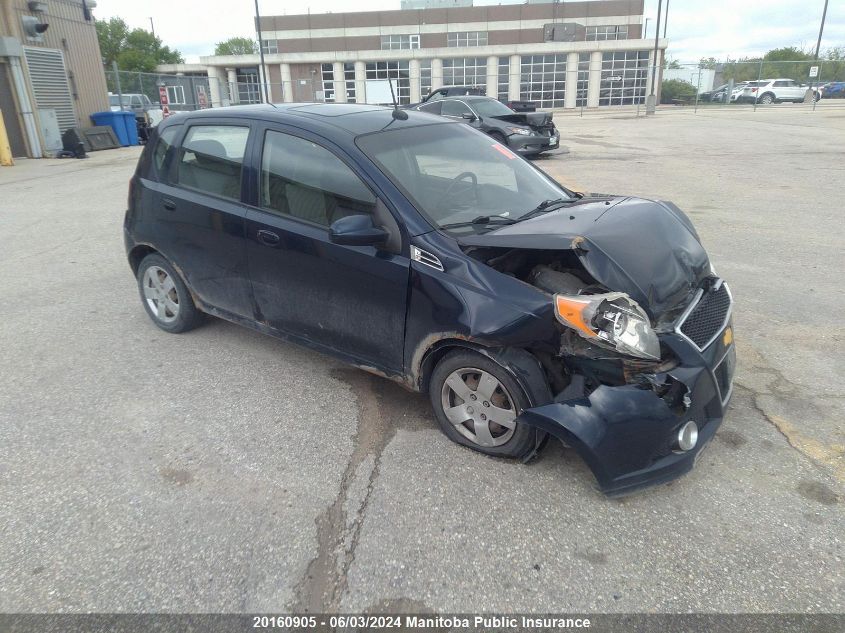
645 248
532 119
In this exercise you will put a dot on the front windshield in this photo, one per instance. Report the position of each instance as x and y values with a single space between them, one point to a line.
453 173
115 100
490 108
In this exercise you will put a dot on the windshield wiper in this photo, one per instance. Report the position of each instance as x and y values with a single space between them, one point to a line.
545 207
481 220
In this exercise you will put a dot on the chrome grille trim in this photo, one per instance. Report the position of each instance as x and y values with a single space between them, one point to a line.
693 304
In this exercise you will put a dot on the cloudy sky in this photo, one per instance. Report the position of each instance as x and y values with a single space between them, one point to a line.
697 28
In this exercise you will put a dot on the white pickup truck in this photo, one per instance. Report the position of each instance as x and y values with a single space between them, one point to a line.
767 91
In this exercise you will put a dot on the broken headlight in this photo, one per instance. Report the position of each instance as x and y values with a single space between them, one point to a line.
611 320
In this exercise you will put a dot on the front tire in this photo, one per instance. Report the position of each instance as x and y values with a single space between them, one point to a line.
767 99
476 401
499 137
165 296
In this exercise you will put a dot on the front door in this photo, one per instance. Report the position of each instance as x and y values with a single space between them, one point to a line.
351 299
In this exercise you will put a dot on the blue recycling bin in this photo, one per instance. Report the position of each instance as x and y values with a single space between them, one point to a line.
123 124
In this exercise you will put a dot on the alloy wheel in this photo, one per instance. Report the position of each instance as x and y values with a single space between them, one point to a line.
160 294
479 406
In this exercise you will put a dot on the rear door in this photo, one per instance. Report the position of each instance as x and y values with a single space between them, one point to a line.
201 213
351 299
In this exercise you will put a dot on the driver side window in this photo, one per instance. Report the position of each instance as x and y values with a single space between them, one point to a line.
305 180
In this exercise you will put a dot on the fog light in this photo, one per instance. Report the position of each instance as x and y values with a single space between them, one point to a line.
688 436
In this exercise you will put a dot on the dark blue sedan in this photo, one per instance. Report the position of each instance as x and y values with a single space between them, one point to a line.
426 252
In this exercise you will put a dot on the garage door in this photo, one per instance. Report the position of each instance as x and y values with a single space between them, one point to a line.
50 86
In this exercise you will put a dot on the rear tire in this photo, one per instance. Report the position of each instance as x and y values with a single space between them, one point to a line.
476 401
165 296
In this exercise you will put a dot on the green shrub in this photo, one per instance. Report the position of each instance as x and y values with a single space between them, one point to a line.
676 89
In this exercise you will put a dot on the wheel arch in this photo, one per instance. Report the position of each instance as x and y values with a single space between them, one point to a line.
523 366
137 255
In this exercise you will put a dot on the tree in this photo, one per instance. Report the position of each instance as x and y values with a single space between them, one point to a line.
708 63
136 50
236 46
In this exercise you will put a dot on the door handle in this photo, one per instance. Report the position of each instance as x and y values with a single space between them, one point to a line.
268 238
168 204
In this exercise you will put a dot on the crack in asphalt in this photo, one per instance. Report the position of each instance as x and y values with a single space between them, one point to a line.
326 578
828 457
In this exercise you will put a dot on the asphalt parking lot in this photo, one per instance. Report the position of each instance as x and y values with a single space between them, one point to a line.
222 470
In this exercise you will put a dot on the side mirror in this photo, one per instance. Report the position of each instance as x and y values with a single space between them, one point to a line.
469 116
357 230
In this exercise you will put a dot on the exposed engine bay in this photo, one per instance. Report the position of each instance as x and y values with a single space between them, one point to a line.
587 358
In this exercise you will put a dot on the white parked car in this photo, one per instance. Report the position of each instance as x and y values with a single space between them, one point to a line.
767 91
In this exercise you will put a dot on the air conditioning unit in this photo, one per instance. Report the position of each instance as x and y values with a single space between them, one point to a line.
37 6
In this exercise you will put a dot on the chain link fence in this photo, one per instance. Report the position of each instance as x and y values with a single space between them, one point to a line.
546 82
759 83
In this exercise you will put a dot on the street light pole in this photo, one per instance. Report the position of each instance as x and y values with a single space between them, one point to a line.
821 29
656 43
152 27
263 92
645 30
666 19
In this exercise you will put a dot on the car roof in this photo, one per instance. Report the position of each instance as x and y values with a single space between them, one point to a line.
353 119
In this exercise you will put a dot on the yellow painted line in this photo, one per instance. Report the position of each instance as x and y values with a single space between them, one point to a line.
832 456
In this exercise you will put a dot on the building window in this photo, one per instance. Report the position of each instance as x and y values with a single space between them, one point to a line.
623 78
596 33
466 38
398 72
465 71
270 47
349 79
327 75
176 95
248 88
399 42
504 78
543 80
425 77
583 80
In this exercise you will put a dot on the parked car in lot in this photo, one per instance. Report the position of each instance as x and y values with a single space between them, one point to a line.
528 133
768 91
464 91
419 249
830 90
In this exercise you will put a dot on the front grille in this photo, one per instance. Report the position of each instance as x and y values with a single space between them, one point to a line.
708 317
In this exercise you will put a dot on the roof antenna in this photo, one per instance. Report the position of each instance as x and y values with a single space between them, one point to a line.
397 113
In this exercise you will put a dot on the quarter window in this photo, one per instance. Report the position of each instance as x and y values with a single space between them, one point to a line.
211 159
165 142
305 180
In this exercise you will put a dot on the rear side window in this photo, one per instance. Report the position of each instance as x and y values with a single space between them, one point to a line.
163 147
455 108
211 159
304 180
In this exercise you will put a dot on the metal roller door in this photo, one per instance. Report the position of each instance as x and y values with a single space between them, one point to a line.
50 85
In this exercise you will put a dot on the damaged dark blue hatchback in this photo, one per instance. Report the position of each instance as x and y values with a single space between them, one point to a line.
425 251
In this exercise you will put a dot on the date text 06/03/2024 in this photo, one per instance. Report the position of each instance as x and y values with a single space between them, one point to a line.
496 622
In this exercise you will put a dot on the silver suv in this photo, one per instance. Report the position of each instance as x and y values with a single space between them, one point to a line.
767 91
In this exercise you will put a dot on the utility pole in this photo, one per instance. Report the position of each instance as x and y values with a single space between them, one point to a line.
152 26
645 30
821 29
651 100
666 19
263 92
